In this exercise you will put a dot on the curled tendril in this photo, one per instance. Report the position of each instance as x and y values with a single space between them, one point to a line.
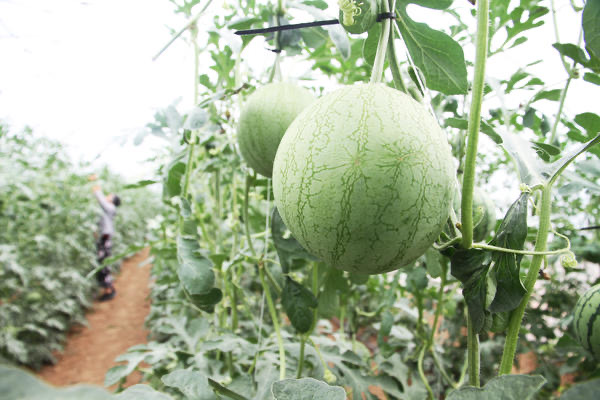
349 9
524 188
568 260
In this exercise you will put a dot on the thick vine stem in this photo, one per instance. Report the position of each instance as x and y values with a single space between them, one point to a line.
192 143
305 336
561 104
245 213
301 359
217 387
392 57
188 25
275 319
516 317
422 373
377 72
440 304
474 122
484 246
472 353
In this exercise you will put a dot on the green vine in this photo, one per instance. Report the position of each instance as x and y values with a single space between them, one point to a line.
378 63
516 317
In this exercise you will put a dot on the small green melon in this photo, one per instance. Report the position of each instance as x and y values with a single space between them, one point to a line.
264 118
364 179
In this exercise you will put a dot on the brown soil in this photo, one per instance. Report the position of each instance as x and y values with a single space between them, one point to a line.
113 327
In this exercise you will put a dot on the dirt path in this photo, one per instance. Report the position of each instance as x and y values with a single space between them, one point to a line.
114 326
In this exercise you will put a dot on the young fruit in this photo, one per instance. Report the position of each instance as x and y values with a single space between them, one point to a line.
484 214
357 16
586 320
364 179
263 121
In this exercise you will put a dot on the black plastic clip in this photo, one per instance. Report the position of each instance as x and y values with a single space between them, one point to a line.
388 15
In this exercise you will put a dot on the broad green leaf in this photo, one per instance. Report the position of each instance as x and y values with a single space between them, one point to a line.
577 54
370 44
556 168
417 280
592 78
523 19
461 123
506 266
529 117
466 263
196 119
337 34
590 21
387 322
192 384
512 232
194 271
584 390
546 148
18 384
509 289
288 248
298 303
320 4
433 4
506 387
346 366
115 374
314 37
213 296
359 279
439 57
189 229
500 322
329 299
289 38
532 171
306 388
471 268
589 121
145 392
552 95
226 342
174 177
590 167
140 184
243 23
411 387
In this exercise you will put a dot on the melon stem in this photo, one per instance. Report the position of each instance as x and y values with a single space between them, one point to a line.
474 122
481 50
516 317
377 72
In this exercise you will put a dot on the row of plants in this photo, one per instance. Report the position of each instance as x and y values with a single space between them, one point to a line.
242 310
48 216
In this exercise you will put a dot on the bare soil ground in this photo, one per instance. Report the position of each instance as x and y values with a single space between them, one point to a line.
114 326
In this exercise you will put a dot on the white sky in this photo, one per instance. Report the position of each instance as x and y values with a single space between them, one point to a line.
81 72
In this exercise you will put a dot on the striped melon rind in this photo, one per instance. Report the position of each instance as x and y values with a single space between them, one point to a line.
364 179
265 116
586 320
